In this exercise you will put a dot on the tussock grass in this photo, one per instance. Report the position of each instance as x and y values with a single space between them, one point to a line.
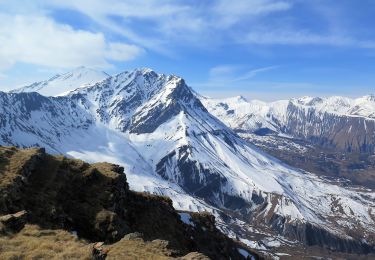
138 249
11 162
32 242
35 243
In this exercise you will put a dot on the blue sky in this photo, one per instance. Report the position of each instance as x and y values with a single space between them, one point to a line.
264 49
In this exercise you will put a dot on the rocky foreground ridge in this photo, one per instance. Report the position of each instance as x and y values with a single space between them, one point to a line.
55 207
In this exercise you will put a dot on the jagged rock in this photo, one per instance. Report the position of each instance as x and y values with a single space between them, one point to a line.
133 236
312 235
195 256
161 243
13 223
99 252
14 175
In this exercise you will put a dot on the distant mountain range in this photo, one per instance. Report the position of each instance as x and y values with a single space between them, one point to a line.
336 122
174 142
332 136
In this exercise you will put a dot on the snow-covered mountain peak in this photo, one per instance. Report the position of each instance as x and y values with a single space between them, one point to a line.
308 101
338 101
338 105
143 82
304 100
84 72
62 84
140 72
132 97
370 98
145 70
319 118
240 99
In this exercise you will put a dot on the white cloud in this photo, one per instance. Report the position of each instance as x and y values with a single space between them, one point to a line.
222 71
172 22
229 75
204 24
122 8
232 72
41 41
122 52
287 37
296 37
252 73
231 12
33 37
102 12
2 76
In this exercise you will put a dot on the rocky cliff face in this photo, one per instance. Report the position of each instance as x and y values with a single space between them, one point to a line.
342 132
95 202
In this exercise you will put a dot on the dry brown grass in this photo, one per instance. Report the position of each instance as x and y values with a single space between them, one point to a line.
105 168
35 243
149 196
32 242
11 162
138 249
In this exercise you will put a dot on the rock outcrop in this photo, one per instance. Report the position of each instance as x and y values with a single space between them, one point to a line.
341 132
12 223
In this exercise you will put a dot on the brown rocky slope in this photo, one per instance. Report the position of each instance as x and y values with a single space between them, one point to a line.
68 204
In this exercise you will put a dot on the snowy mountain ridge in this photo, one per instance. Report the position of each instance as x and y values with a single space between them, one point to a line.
337 122
356 107
155 126
60 85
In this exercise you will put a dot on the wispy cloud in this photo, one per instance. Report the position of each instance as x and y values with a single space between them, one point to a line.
168 24
41 41
231 12
124 17
172 22
252 73
229 75
222 71
295 37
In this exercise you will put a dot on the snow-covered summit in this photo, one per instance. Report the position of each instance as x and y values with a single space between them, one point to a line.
62 84
362 106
